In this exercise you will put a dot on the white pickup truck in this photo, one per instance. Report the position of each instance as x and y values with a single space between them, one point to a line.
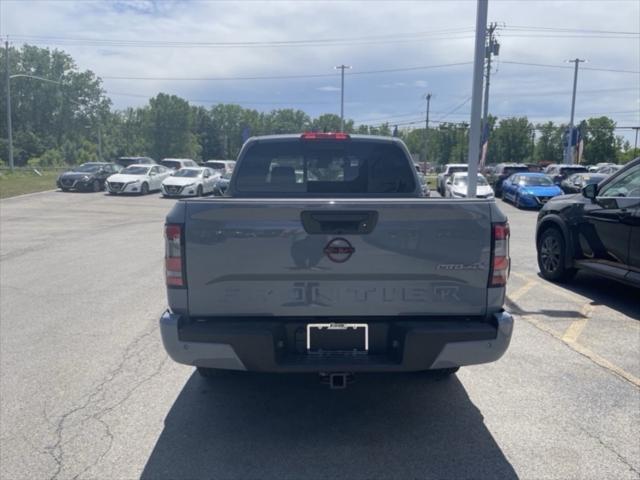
324 256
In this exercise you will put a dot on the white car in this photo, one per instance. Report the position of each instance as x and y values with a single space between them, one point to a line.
456 186
189 181
177 163
140 179
220 166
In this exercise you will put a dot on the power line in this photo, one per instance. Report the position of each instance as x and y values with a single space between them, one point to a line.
546 65
115 42
562 29
290 77
453 110
217 101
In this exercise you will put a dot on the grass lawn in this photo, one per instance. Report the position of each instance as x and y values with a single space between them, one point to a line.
18 183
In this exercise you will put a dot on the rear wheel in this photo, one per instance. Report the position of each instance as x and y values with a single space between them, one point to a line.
144 189
552 256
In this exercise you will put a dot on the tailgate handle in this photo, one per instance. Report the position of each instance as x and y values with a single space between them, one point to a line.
350 222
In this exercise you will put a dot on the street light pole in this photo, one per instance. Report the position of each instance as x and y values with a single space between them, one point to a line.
476 97
568 154
426 133
9 128
342 69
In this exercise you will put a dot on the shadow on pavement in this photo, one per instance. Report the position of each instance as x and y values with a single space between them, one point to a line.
602 291
290 426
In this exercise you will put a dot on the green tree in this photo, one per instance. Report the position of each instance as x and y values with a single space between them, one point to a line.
330 122
600 141
45 114
549 143
287 121
511 141
167 123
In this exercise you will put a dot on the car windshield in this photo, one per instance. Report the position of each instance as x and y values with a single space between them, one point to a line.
128 161
535 181
453 170
88 168
215 165
512 170
171 164
570 170
186 172
462 181
135 171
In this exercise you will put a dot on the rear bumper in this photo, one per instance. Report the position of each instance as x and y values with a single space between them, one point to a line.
278 346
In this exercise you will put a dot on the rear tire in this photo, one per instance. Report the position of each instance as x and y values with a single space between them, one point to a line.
552 256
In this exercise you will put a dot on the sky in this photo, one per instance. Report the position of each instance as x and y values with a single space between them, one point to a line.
211 52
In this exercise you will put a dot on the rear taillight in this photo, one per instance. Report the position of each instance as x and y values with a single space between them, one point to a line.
324 136
499 255
174 271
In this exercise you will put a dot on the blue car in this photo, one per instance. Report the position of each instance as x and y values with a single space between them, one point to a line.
529 190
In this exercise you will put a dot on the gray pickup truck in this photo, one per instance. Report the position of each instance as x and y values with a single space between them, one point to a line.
324 256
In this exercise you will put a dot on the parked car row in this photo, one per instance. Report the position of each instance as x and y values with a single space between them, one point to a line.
224 166
188 180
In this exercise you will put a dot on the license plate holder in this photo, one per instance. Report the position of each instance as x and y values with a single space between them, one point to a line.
337 337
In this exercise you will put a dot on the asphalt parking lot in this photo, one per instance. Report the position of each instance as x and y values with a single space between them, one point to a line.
87 391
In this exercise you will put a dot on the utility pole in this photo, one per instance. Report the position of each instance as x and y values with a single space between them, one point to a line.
635 146
492 48
568 153
476 97
9 130
342 69
426 134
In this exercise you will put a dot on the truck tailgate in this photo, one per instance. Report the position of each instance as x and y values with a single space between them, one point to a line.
258 257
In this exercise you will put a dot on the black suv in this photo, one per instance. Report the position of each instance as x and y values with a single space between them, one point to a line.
502 172
88 177
596 230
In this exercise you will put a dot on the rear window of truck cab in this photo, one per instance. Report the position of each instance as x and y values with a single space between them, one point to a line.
325 167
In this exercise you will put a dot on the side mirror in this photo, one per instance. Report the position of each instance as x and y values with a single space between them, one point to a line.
590 191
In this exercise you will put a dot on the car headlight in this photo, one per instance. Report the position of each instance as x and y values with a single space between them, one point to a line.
86 178
188 185
459 194
134 182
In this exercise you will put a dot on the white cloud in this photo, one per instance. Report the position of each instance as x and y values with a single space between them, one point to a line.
188 22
